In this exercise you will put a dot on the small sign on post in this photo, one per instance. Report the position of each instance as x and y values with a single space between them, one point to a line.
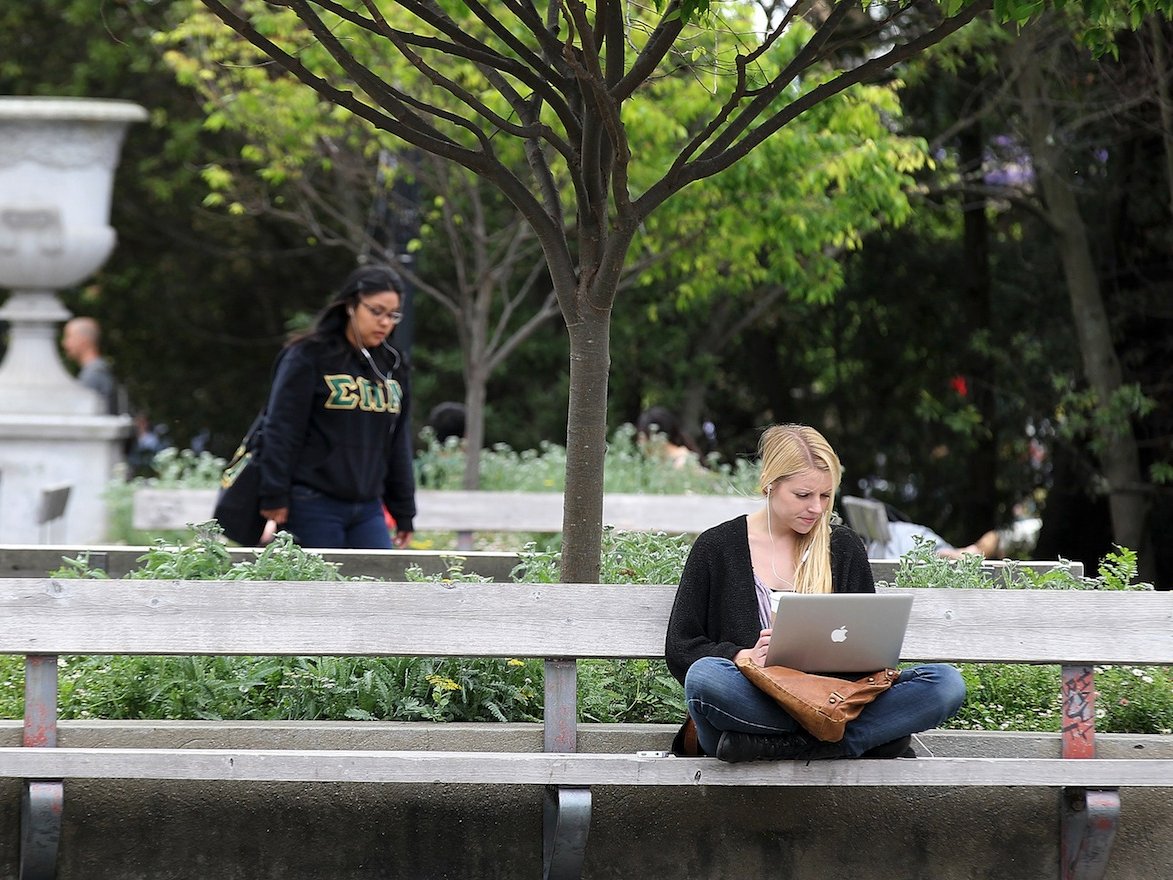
54 500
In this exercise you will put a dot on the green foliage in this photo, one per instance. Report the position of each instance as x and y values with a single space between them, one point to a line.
627 558
1134 699
206 557
921 567
627 469
628 691
299 688
454 573
1008 697
623 690
1020 697
172 469
1161 472
269 688
1129 699
1082 412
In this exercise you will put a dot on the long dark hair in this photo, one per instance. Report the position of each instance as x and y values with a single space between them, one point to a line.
330 323
663 420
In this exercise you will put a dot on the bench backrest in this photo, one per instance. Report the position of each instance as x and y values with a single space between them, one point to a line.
48 616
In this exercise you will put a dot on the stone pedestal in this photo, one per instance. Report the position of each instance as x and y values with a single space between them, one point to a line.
39 453
57 161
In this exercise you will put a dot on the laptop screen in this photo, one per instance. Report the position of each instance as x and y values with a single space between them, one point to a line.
839 632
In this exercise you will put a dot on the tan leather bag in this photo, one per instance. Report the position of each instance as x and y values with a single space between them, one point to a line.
821 704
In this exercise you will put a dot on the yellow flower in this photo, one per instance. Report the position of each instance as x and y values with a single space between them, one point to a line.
443 683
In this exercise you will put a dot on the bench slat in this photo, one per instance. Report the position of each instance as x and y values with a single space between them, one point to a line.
539 768
75 616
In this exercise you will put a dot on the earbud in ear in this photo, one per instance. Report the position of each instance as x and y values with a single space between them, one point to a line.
350 311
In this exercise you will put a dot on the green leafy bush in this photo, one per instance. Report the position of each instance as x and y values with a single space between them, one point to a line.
1020 697
173 469
922 567
275 688
626 469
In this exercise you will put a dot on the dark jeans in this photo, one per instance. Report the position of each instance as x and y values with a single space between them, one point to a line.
721 698
317 520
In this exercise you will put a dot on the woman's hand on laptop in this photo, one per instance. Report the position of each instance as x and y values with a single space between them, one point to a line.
758 652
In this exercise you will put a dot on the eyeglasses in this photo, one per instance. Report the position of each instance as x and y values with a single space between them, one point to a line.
379 314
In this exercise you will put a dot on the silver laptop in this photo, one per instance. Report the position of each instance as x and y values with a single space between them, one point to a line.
839 632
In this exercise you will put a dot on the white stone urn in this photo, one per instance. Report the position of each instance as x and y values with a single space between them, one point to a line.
57 162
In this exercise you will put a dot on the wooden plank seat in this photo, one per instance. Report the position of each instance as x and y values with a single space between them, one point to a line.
45 617
545 768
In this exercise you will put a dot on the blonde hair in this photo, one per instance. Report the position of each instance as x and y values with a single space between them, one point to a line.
786 450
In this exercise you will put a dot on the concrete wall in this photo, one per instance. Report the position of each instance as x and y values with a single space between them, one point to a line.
234 831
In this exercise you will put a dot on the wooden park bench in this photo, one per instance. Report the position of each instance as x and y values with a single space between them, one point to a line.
44 617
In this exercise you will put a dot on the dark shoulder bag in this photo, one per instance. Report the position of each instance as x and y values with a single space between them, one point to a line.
238 504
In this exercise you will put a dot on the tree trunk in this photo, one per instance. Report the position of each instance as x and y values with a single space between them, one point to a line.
1161 74
1119 456
586 441
978 504
475 395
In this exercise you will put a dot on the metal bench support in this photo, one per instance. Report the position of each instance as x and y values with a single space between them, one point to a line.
566 819
41 805
42 801
566 823
1088 817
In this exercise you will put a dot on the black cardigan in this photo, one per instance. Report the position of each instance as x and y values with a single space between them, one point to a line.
716 608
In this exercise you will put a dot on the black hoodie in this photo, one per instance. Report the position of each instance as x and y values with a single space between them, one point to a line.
333 425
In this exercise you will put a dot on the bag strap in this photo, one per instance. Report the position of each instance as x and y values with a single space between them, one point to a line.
255 427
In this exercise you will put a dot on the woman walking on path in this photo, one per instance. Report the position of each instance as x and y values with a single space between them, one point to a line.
337 446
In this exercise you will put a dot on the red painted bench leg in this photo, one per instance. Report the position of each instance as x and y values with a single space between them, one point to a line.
42 801
1089 827
1088 817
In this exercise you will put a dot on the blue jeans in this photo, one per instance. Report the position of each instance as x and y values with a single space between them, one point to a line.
720 698
317 520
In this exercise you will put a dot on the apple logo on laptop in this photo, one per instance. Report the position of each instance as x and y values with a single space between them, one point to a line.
839 635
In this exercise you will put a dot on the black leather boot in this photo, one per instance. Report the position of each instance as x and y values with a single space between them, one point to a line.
898 748
736 747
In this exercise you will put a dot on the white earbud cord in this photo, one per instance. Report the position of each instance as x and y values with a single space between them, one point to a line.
774 548
385 378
